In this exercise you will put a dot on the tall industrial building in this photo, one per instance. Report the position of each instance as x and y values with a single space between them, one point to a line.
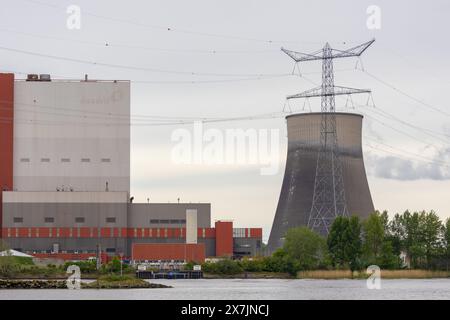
65 180
294 205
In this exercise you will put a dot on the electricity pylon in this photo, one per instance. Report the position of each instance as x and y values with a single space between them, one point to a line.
329 199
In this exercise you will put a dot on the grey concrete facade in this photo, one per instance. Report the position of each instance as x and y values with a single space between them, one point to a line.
100 210
296 194
167 215
71 135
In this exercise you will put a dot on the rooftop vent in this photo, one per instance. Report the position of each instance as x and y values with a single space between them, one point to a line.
45 77
32 77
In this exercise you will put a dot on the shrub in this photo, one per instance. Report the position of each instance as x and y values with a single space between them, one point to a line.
225 266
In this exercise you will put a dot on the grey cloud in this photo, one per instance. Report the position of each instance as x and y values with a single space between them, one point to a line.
391 167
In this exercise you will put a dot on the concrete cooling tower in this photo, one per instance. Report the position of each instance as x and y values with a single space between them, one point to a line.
294 205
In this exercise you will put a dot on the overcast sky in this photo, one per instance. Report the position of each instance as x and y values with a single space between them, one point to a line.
162 42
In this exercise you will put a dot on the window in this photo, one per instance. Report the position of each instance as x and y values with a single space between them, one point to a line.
49 219
85 160
18 219
110 250
111 220
154 221
65 160
45 159
174 221
106 160
163 221
25 160
238 232
79 219
183 221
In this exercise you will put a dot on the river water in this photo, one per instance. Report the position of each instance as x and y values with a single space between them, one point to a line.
242 289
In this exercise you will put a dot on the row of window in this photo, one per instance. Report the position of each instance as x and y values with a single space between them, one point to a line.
174 221
108 220
66 160
108 250
52 220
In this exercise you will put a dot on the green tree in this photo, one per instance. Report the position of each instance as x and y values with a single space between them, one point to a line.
431 229
374 232
447 238
344 242
306 247
419 235
378 247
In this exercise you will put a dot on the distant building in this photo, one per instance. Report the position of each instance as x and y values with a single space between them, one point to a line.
65 180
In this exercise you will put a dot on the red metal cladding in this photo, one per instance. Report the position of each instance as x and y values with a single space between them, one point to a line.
256 233
70 256
224 238
168 251
6 136
85 232
210 233
105 232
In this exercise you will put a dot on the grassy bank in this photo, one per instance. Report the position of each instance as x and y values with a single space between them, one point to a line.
385 274
249 275
104 282
121 282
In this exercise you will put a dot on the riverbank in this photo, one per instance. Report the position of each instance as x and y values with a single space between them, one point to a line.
334 275
249 275
385 274
115 282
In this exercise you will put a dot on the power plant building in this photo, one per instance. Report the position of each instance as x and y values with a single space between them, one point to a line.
296 196
65 180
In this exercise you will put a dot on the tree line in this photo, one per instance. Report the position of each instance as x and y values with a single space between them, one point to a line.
421 237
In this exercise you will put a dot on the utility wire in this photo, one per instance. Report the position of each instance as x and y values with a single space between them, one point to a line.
119 66
109 44
172 29
407 95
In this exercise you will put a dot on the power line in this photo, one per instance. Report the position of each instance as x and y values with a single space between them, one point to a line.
141 117
119 66
108 44
408 152
406 94
401 156
431 133
172 29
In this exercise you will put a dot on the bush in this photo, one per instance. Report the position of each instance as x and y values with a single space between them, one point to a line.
225 266
256 265
85 266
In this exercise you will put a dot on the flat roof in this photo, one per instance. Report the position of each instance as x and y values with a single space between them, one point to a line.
320 113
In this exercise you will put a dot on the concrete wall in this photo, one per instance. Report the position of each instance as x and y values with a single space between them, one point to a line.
191 226
73 134
141 214
247 247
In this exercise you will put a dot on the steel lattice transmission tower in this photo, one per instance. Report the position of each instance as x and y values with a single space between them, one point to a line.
329 199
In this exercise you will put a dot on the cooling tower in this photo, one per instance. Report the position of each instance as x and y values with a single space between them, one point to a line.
296 195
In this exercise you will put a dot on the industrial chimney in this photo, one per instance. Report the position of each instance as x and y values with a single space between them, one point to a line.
295 202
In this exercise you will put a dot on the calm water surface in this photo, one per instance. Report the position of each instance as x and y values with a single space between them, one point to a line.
219 289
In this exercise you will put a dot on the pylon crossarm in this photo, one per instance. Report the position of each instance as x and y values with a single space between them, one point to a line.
299 56
335 53
333 91
352 52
